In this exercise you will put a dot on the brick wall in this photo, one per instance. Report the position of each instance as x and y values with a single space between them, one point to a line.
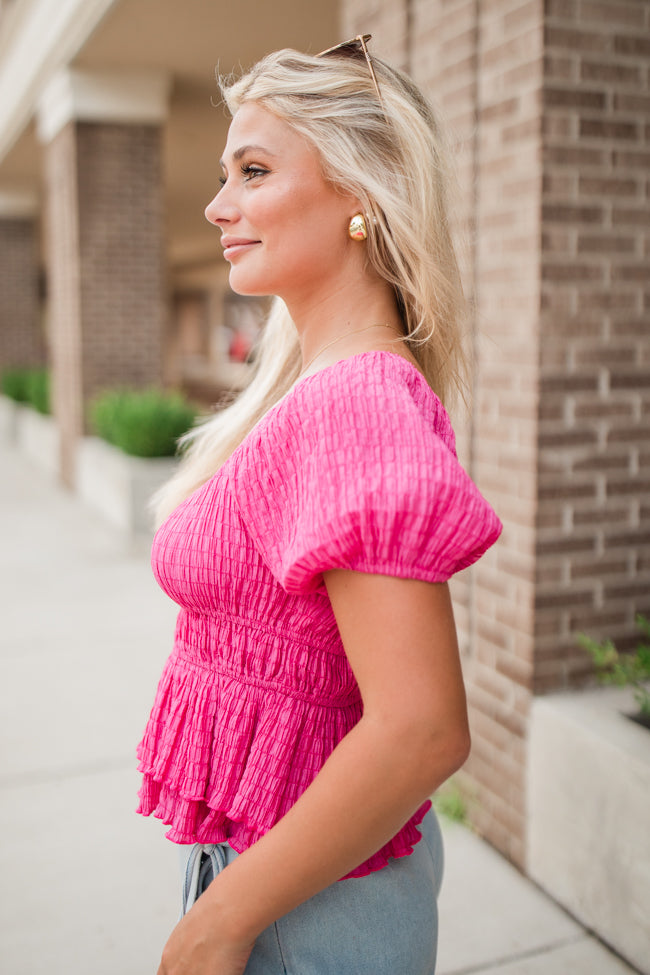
593 547
21 338
443 61
483 65
121 239
484 74
549 115
105 246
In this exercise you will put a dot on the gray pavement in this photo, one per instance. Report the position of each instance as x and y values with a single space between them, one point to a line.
88 887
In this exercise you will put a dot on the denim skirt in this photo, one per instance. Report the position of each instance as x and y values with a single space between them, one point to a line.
382 924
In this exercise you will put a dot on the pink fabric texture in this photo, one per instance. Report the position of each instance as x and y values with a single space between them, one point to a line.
355 468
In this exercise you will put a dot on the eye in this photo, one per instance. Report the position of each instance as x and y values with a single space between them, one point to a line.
250 171
222 181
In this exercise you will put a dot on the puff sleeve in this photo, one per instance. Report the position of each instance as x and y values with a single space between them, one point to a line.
356 469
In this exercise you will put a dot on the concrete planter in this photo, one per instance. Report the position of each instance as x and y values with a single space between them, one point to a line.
37 437
119 486
588 808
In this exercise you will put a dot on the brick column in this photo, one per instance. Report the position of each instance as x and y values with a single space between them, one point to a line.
21 339
104 242
593 543
546 108
483 66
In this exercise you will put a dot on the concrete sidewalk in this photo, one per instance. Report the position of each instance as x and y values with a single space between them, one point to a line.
88 887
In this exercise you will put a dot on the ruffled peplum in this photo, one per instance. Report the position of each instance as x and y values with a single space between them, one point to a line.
225 757
235 735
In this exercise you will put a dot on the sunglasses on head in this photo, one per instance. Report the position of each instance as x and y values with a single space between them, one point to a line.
355 47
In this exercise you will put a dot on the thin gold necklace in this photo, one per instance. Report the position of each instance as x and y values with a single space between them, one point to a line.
347 334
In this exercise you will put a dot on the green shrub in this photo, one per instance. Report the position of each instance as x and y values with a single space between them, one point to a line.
622 669
15 383
146 423
450 802
28 386
38 390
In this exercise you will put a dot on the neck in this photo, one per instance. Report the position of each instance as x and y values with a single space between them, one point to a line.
338 316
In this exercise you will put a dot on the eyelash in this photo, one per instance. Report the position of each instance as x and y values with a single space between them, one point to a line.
248 172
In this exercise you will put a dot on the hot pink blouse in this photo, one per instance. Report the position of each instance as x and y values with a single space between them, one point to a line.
355 468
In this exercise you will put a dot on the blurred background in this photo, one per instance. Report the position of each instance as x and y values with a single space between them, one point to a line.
110 135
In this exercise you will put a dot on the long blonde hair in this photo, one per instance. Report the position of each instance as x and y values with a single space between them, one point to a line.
390 155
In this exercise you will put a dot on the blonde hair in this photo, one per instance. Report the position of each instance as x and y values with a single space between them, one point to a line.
389 155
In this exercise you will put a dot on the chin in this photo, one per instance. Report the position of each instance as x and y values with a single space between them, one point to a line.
248 288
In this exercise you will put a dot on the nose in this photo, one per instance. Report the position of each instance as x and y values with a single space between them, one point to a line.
212 211
219 211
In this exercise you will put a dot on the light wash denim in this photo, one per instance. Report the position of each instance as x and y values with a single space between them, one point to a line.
382 924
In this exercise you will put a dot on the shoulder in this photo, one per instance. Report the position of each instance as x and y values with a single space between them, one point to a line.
356 469
375 396
367 431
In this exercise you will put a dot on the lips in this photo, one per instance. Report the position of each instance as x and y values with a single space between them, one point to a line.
236 245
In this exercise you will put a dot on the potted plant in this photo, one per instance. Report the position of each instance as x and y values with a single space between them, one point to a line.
132 455
625 669
29 424
143 423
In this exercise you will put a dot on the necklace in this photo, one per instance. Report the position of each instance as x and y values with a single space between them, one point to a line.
347 334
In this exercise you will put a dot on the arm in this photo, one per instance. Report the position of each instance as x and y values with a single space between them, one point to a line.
400 639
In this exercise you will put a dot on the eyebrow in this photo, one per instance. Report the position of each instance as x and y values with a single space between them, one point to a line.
238 153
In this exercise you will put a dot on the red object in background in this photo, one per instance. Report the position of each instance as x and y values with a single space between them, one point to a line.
240 347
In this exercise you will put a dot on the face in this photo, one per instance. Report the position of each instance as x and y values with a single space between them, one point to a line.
284 228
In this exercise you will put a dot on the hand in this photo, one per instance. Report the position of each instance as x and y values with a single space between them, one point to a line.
197 946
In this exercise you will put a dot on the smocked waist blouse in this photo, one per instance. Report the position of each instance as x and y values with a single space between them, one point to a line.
355 468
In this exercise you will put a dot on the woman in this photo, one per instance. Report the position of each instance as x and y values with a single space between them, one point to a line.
314 699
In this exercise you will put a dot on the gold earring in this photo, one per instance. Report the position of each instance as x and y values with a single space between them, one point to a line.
357 229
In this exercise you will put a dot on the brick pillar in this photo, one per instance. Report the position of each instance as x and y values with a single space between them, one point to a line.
105 243
21 339
547 108
482 67
593 537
